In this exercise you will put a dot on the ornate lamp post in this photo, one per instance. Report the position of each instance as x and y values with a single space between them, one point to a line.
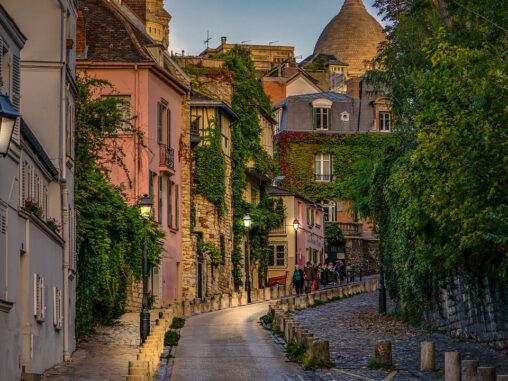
296 226
8 118
247 221
145 205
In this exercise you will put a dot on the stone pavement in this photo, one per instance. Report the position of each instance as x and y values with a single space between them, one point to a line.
229 345
353 325
104 357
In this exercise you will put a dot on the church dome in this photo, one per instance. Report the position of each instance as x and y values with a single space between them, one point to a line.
352 36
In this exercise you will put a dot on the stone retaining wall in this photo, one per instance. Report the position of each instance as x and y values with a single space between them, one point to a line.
484 319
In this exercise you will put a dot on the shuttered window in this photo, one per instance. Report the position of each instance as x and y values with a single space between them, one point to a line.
159 200
160 109
170 203
168 132
39 298
16 88
57 308
177 207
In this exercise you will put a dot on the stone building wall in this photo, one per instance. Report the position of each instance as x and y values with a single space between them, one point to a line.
483 318
362 254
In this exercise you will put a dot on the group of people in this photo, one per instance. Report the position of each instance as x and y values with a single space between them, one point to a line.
311 278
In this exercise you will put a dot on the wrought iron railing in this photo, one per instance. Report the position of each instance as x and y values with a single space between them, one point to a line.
167 156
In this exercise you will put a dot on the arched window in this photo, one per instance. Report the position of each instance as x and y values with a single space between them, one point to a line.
329 210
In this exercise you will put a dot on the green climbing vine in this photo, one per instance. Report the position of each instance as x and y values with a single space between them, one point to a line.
210 173
248 98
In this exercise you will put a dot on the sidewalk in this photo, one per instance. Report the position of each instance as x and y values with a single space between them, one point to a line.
104 357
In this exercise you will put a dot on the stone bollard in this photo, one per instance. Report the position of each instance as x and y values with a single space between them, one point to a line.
321 352
274 292
288 290
310 299
225 301
186 309
243 298
469 370
261 295
254 296
267 294
234 299
486 373
383 353
340 293
452 366
427 356
197 306
207 305
215 303
291 303
285 304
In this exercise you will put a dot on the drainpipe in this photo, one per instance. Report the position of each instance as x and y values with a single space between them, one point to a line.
136 138
63 184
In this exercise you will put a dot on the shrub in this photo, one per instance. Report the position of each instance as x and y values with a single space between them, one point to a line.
171 338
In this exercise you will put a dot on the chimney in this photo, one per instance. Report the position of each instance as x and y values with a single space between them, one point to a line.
81 32
223 40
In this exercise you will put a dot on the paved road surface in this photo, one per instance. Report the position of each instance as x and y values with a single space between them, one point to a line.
229 345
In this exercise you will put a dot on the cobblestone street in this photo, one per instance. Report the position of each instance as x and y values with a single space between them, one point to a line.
353 325
104 357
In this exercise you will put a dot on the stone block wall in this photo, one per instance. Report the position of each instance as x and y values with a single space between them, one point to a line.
483 318
134 297
362 254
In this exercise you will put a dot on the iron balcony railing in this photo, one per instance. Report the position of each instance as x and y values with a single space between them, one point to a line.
167 156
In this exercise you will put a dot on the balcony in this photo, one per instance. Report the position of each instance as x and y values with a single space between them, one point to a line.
351 228
167 158
281 230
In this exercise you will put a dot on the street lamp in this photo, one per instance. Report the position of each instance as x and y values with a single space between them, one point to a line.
247 221
296 226
145 205
8 118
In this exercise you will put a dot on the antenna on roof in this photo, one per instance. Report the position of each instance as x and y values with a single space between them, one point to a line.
208 39
244 42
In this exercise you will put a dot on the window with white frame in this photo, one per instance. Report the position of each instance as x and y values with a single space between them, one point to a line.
278 254
310 216
57 309
33 190
384 121
39 298
322 117
323 167
329 210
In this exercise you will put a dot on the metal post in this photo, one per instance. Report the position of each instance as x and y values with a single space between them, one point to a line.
296 249
382 291
247 268
144 325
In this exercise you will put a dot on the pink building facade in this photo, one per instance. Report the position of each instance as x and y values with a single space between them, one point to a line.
156 97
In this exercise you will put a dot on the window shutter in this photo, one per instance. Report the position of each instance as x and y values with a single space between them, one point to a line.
1 62
43 299
314 118
159 123
37 301
159 199
170 203
16 88
177 208
150 183
169 128
329 119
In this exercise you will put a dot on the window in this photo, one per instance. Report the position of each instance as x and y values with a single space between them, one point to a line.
151 175
177 208
384 121
163 124
160 111
322 118
170 203
168 128
159 200
323 167
39 298
195 125
329 210
277 255
57 308
253 195
310 216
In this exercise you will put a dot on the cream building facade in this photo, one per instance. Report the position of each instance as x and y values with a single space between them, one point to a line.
37 262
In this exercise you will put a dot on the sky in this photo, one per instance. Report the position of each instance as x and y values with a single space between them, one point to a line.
295 23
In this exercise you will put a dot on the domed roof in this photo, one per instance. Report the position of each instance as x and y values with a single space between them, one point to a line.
352 36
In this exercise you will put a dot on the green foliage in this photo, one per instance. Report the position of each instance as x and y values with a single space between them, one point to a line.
333 233
210 250
177 323
110 233
171 338
374 364
296 352
354 157
210 173
438 197
248 99
277 330
266 319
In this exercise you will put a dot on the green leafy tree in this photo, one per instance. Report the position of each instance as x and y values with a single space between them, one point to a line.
439 195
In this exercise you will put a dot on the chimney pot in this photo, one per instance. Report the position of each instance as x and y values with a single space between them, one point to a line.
223 40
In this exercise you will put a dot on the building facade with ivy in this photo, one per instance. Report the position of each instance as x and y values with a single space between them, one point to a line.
324 141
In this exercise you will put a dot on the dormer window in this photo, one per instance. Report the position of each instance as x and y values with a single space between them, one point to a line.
322 114
384 121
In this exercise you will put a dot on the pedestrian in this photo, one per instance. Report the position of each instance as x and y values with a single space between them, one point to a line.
308 277
298 281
